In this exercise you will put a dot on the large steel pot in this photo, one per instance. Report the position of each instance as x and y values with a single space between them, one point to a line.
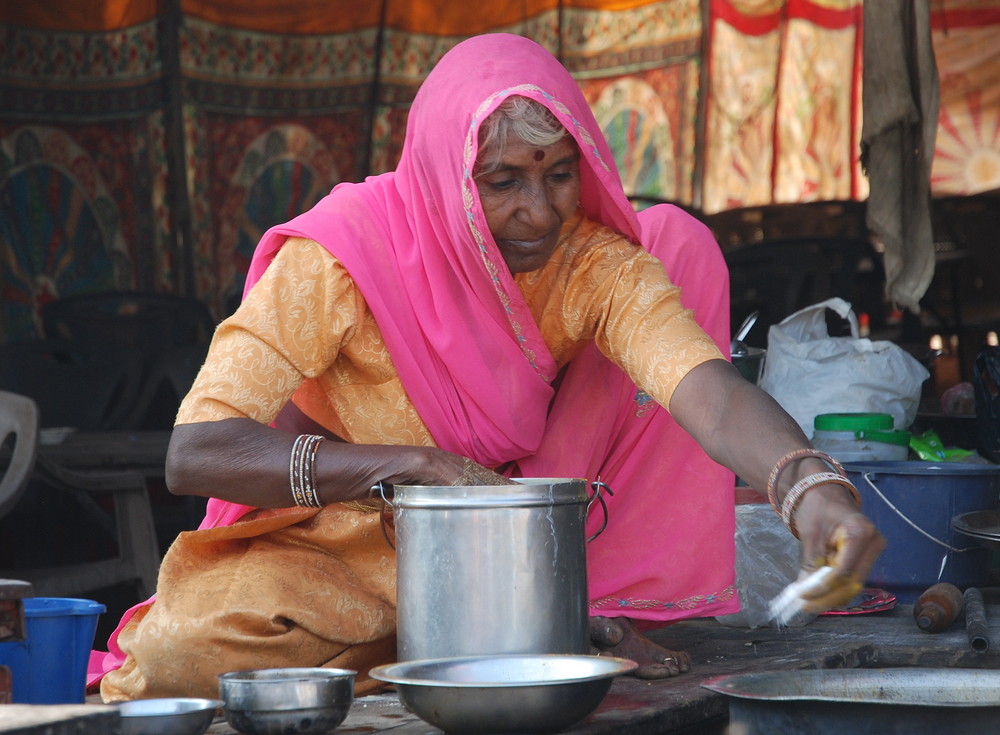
498 569
903 701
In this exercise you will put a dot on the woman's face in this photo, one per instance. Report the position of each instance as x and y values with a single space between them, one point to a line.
527 199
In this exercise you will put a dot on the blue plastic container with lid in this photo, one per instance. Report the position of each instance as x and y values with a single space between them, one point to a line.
912 504
50 665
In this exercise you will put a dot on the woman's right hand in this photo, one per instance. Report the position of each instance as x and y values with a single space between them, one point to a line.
243 461
292 420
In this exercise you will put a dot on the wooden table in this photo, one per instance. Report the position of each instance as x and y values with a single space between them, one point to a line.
682 704
59 719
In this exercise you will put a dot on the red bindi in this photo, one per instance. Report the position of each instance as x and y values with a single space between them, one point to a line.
539 154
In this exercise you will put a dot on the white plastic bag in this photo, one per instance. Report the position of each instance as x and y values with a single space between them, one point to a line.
809 372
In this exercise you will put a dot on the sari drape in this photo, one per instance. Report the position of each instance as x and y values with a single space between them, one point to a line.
416 243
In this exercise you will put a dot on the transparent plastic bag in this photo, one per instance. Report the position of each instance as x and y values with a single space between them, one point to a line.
767 561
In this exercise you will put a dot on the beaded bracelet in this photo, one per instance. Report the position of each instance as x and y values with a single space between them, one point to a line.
302 471
781 464
800 488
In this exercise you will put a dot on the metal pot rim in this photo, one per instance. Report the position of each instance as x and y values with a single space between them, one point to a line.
529 492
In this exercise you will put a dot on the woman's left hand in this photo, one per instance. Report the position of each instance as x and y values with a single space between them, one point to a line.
742 427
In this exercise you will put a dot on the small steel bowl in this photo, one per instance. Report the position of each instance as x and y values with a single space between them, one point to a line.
512 693
286 701
167 716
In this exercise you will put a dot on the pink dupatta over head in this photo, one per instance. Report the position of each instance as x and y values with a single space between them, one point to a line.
417 244
473 361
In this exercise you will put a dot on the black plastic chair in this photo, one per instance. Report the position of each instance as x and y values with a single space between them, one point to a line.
170 333
149 322
85 384
778 277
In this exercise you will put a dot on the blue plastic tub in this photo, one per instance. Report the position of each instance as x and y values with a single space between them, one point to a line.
50 665
913 504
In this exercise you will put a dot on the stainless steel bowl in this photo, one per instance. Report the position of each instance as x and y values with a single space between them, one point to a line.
286 701
167 716
515 693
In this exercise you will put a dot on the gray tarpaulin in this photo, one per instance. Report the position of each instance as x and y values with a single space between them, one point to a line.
900 98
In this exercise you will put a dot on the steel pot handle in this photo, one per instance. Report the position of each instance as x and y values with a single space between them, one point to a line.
381 488
597 485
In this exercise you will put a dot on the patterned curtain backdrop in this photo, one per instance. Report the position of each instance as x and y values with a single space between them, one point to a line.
783 103
81 153
148 143
276 111
966 36
240 115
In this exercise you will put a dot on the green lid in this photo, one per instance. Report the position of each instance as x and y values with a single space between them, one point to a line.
899 438
853 422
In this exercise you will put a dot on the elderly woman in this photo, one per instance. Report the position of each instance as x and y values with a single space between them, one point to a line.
492 303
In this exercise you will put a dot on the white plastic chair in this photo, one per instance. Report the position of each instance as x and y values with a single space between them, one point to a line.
19 425
137 559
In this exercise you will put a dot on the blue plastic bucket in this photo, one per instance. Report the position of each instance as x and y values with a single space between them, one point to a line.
50 665
912 504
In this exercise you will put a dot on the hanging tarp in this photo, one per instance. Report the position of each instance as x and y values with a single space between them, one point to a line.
966 37
148 143
783 103
897 143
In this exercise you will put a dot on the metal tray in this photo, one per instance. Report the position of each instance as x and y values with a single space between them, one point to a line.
982 525
901 701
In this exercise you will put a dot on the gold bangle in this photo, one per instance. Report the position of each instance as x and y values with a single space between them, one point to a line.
800 488
781 464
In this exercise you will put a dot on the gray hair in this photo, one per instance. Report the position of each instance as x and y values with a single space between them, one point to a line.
529 120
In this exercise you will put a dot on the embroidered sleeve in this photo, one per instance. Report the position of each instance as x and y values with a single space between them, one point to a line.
647 331
601 287
283 332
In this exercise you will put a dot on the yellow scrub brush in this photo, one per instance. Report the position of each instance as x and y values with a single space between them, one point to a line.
817 592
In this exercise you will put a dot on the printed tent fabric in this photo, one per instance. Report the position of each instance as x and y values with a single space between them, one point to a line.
783 103
193 134
147 145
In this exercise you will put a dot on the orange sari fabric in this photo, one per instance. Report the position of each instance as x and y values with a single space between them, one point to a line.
299 587
287 588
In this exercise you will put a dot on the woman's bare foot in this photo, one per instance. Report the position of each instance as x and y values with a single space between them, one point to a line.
619 637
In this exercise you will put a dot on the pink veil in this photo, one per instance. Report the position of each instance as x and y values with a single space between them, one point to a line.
459 332
667 552
425 261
